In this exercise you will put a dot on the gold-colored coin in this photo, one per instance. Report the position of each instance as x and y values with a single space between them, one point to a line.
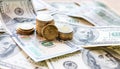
66 36
25 29
43 20
65 32
50 32
25 32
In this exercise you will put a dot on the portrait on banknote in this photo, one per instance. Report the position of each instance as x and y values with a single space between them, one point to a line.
83 36
100 59
7 47
11 56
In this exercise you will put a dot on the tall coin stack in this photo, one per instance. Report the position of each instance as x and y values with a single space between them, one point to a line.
45 26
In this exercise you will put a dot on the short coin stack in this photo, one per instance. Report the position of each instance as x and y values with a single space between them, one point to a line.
25 29
65 32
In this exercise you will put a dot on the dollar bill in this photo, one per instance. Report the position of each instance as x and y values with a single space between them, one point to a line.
114 50
58 7
97 58
95 36
69 61
64 7
2 29
99 14
36 47
64 19
40 5
12 57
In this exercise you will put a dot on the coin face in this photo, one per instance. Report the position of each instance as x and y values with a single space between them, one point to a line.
70 65
65 29
50 32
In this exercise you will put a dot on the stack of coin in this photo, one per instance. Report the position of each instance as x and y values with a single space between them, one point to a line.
25 28
65 32
42 20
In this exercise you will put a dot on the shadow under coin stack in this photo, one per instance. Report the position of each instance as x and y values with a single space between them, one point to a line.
45 27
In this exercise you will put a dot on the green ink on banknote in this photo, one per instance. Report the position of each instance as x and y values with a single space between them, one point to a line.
73 21
47 43
107 16
35 51
116 34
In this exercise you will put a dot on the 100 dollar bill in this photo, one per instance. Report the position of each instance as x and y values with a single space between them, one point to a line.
96 36
12 57
114 50
69 61
2 29
99 14
99 58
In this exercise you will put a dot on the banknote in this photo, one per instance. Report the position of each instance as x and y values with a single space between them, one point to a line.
64 7
95 36
69 61
64 19
97 58
12 57
99 14
40 5
56 7
2 29
114 50
36 47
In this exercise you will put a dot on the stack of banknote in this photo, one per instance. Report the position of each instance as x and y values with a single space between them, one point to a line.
94 45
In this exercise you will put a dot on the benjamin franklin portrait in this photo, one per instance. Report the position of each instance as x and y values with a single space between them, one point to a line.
8 48
100 59
83 36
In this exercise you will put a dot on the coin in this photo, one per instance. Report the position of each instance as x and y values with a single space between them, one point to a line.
65 32
25 29
43 20
50 32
